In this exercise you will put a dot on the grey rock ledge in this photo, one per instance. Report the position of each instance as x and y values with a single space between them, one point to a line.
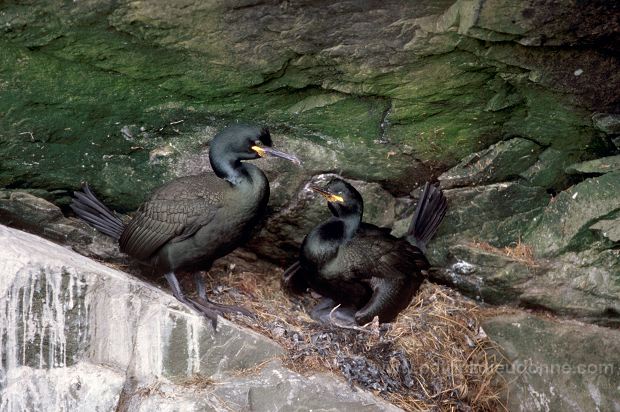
78 335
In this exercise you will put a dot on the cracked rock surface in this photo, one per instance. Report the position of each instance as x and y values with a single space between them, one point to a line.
78 335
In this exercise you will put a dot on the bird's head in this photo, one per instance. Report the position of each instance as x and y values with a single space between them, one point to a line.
343 199
244 142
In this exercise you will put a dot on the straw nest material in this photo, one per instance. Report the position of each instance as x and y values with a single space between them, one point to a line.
435 357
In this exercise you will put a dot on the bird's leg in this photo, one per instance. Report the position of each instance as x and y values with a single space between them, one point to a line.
176 288
202 294
327 311
204 304
200 286
388 299
178 293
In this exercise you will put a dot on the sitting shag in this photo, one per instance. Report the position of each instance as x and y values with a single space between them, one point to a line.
359 266
190 222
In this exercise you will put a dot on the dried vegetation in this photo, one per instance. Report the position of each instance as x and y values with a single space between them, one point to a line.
519 252
435 357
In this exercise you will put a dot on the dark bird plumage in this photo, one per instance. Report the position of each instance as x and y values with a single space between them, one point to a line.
361 266
190 222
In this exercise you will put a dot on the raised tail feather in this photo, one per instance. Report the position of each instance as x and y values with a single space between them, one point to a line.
92 211
429 213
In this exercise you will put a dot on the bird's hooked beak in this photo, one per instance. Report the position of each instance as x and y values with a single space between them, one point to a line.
327 195
265 151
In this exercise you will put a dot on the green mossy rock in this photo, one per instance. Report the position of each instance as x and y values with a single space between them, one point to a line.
549 170
500 162
564 224
597 166
498 214
514 105
432 83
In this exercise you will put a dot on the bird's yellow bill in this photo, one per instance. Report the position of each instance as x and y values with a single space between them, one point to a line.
264 151
327 195
259 150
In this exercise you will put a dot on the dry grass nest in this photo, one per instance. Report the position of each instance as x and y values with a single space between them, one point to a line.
518 251
435 357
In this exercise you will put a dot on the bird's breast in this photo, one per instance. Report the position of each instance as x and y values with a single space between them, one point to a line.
231 226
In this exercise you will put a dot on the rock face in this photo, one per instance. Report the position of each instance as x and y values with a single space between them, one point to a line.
77 335
499 99
557 366
569 261
511 105
41 217
404 87
502 161
564 223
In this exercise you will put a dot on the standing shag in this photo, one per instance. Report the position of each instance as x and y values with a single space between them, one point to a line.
359 266
190 222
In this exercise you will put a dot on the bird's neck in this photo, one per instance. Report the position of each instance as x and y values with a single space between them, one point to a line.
350 225
248 176
340 229
236 172
249 181
324 242
250 188
229 168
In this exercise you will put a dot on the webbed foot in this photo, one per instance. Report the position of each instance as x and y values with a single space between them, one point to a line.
202 304
328 311
211 309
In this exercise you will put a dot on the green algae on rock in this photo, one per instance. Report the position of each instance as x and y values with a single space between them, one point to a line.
432 94
596 166
500 162
565 223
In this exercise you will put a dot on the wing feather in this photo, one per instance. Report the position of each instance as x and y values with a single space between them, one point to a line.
372 253
175 212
